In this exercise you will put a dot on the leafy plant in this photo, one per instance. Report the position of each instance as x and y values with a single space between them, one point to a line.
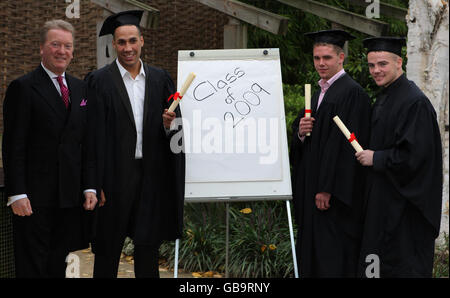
259 241
203 245
441 263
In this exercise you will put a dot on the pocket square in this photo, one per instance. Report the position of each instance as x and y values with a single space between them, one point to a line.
83 102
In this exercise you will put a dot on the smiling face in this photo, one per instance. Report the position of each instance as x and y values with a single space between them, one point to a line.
128 43
57 50
385 67
327 61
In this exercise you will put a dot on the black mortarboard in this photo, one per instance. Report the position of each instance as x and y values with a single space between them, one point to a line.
335 37
385 43
130 17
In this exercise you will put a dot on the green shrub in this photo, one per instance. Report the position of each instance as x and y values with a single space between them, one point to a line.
203 245
259 243
441 264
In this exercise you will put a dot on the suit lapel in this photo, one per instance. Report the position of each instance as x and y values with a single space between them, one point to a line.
314 102
123 94
150 84
75 93
45 87
75 98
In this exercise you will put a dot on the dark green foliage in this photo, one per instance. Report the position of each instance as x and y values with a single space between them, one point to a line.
441 264
259 243
203 245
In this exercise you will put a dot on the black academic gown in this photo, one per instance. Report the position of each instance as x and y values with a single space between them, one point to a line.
405 183
159 215
327 244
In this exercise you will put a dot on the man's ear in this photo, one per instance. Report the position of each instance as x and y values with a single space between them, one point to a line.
398 61
341 57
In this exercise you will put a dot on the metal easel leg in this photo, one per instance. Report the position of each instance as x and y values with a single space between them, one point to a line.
175 266
227 238
291 232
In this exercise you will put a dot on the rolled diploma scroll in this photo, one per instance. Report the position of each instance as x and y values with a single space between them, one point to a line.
347 134
184 88
308 102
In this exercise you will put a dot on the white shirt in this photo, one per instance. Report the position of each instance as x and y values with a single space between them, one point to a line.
136 92
53 77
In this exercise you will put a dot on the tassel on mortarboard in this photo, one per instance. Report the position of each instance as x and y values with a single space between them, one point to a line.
107 52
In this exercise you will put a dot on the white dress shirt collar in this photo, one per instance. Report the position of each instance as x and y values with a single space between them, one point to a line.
51 74
123 71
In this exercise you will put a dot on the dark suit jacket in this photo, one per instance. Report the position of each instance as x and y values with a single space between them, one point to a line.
45 146
160 212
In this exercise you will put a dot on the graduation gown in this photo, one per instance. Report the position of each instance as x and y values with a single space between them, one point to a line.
327 244
405 183
159 214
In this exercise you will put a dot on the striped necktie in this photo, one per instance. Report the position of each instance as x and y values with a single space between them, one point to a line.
64 91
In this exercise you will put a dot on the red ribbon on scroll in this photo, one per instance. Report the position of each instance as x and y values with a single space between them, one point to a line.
175 96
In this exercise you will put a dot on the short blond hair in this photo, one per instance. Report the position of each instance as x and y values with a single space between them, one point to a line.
56 24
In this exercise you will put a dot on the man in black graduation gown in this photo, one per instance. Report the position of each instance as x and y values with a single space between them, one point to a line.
47 160
141 179
404 188
327 179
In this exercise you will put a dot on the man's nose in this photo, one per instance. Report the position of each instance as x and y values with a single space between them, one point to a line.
128 47
61 50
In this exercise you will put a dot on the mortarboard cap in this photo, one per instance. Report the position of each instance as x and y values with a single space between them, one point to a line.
385 43
335 37
130 17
